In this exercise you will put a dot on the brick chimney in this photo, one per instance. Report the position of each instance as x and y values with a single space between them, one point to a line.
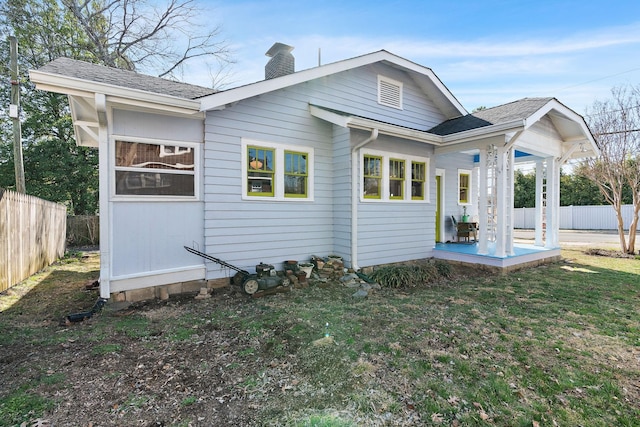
281 62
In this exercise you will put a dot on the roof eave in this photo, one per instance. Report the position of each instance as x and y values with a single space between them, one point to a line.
221 99
80 87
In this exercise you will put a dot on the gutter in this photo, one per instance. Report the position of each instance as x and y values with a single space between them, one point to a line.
354 197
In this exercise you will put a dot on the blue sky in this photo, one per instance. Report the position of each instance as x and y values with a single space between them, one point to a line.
486 52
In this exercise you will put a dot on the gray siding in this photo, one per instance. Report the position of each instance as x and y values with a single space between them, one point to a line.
396 231
148 236
450 163
246 232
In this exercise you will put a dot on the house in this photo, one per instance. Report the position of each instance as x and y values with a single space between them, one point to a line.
371 158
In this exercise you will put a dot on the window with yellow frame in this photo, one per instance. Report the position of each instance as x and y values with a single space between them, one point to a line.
464 187
418 178
295 174
260 171
396 179
372 173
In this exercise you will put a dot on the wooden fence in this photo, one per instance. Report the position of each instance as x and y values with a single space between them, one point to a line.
32 236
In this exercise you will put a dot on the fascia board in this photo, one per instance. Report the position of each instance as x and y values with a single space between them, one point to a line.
555 105
221 99
79 87
484 132
352 122
395 131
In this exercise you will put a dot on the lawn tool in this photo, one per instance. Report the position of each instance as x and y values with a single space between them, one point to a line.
264 278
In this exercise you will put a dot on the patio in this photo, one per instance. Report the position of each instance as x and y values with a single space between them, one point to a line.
524 255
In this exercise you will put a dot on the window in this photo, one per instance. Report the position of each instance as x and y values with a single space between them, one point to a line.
260 171
389 92
418 178
393 184
295 174
372 173
276 171
396 179
152 169
464 186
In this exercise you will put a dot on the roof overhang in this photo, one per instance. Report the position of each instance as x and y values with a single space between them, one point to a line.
86 96
423 76
354 122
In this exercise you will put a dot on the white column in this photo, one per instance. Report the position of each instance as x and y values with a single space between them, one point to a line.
103 202
553 203
510 159
501 202
483 221
539 203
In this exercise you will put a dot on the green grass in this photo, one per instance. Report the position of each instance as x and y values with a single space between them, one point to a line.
555 344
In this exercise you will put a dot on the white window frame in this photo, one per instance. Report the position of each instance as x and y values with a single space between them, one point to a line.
382 80
384 195
183 147
279 175
469 201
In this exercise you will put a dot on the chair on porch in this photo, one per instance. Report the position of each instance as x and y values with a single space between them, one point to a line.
465 230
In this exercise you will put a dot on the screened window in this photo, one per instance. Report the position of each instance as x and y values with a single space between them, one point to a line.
372 173
295 174
418 178
260 171
464 187
396 179
148 169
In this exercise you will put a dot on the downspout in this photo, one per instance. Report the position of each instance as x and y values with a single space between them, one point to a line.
103 201
355 198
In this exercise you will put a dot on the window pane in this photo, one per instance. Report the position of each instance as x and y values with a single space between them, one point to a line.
152 183
295 174
396 179
152 156
464 187
260 171
372 176
417 180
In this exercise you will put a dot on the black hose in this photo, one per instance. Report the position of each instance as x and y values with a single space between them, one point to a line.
79 317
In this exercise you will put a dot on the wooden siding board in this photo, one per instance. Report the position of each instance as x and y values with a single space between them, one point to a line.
252 231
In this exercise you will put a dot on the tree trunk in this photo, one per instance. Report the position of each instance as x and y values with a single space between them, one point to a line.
632 229
623 243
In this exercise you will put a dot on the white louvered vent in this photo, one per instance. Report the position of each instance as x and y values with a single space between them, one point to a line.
389 92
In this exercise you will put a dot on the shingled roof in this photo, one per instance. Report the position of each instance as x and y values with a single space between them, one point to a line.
128 79
516 110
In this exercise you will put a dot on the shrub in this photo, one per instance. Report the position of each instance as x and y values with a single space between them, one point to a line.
401 276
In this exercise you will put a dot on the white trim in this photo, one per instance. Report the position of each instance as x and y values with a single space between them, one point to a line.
157 278
197 148
384 194
278 185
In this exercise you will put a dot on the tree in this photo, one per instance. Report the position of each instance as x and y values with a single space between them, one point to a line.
130 34
615 124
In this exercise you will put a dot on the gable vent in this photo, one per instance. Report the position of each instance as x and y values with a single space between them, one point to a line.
389 92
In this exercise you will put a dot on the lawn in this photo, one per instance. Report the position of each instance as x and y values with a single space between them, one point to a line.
555 345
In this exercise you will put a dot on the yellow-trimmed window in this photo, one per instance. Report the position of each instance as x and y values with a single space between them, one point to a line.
295 174
396 179
418 178
260 171
464 187
372 173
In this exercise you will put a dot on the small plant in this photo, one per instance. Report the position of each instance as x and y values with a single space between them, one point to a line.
402 276
187 401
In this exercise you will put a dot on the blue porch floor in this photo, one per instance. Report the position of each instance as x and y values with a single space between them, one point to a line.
523 255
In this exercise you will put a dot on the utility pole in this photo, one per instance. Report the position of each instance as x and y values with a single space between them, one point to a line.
14 113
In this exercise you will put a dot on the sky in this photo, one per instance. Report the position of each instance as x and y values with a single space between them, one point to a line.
486 52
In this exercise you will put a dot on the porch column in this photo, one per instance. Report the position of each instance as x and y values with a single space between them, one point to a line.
553 203
510 178
539 203
502 191
483 220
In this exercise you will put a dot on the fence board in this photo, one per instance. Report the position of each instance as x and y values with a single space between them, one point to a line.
579 217
32 236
